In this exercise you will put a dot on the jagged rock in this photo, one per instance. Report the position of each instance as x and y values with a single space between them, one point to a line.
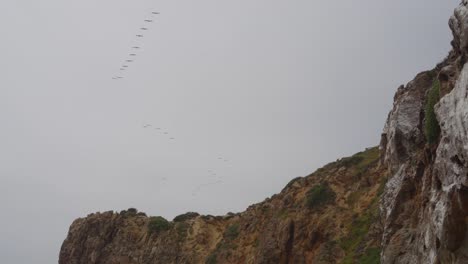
425 202
448 229
402 132
459 25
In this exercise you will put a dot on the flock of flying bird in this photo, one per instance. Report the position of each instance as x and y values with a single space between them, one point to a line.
133 53
212 178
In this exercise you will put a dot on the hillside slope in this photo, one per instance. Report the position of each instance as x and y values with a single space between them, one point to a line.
330 216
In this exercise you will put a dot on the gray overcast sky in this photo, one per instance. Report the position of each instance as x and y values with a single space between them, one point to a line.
276 87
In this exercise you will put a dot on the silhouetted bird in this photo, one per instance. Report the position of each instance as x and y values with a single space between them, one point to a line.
140 36
148 20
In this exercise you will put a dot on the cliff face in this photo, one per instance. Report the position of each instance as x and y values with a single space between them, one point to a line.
407 203
425 203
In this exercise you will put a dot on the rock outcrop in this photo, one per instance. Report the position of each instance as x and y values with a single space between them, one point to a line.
407 203
425 203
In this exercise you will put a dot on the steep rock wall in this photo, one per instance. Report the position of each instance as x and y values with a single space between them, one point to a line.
425 202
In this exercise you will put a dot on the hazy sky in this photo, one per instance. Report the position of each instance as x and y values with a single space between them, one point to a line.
278 88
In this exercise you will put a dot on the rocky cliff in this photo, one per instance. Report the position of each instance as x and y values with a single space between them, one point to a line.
404 202
425 204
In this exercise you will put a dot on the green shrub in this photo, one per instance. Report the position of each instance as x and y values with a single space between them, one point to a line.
129 212
185 217
319 195
431 126
212 259
232 232
210 217
182 229
371 256
158 224
132 210
349 161
358 230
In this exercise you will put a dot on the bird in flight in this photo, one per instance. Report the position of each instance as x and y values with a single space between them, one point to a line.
132 54
143 28
129 60
136 47
155 13
140 36
148 20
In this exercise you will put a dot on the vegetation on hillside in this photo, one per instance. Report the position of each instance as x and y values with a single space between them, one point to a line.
358 231
431 125
319 195
158 224
185 217
232 232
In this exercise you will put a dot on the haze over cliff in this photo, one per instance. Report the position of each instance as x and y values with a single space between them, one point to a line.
405 201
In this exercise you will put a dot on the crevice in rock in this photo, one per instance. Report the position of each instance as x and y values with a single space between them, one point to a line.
438 183
290 242
455 159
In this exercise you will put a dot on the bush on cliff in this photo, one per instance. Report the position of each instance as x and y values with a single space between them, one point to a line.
185 217
232 232
158 224
319 195
431 126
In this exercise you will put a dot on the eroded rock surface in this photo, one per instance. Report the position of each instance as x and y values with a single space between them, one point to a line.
425 202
